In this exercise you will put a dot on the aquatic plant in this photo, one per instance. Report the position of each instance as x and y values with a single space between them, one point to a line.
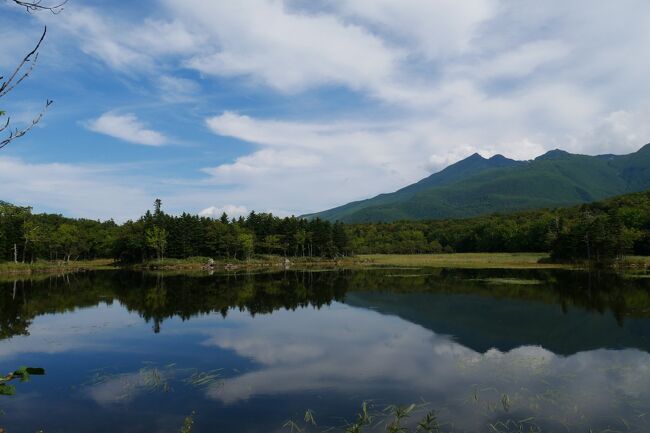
23 373
188 423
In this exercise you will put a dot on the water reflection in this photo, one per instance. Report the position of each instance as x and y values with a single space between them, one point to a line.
563 350
565 312
386 357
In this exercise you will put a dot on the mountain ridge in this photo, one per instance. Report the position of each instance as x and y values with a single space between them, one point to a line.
476 185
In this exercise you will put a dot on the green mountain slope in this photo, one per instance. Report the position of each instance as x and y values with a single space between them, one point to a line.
476 186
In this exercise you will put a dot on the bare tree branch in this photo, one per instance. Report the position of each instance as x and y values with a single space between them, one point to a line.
25 68
6 123
17 133
31 58
38 5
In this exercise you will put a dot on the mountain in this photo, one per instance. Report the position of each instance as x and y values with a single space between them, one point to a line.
476 186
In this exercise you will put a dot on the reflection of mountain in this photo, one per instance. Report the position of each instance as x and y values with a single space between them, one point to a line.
346 351
565 312
481 322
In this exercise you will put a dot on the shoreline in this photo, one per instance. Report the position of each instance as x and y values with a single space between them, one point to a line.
453 260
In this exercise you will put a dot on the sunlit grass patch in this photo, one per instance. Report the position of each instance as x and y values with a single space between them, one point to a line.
513 281
464 260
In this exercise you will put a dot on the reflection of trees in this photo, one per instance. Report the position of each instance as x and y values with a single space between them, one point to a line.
157 299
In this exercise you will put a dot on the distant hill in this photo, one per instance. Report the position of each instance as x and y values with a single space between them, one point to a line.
476 186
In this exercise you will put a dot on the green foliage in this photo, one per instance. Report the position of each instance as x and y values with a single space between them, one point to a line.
478 186
194 236
7 389
601 233
156 238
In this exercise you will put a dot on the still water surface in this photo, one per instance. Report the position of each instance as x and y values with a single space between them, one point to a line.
132 352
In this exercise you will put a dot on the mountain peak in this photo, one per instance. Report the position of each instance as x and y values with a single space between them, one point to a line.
553 154
477 186
644 149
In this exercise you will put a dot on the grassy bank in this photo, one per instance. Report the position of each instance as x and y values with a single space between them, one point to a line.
465 260
263 262
10 268
469 260
458 260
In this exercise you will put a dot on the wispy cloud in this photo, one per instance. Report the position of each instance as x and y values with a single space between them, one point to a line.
343 99
126 127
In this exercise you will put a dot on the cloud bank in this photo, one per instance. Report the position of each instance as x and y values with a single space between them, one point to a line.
380 93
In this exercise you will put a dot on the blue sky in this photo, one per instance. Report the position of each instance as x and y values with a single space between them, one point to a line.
296 106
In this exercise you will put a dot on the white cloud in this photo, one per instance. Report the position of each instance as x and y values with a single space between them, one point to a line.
426 83
89 191
263 162
285 49
123 45
233 211
617 132
14 46
435 28
522 60
176 89
312 163
126 127
99 37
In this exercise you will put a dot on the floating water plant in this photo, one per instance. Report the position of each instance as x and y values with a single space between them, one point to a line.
23 374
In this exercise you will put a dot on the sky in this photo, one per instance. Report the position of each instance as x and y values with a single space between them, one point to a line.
296 106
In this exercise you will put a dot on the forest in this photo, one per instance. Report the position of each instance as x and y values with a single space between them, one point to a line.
600 232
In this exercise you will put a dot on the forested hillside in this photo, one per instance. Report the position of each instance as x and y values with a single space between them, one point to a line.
478 186
599 232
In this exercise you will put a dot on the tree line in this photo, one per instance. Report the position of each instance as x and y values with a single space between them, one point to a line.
599 232
25 237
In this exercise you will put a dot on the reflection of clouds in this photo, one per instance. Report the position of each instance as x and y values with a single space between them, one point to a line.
124 388
303 350
359 352
65 332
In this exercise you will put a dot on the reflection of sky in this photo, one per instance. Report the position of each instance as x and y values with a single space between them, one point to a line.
353 351
335 352
85 329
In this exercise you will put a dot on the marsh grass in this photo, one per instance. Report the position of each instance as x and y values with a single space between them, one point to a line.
254 263
392 419
498 410
154 379
511 281
59 267
202 379
464 260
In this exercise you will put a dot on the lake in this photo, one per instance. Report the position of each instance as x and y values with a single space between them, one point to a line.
487 350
